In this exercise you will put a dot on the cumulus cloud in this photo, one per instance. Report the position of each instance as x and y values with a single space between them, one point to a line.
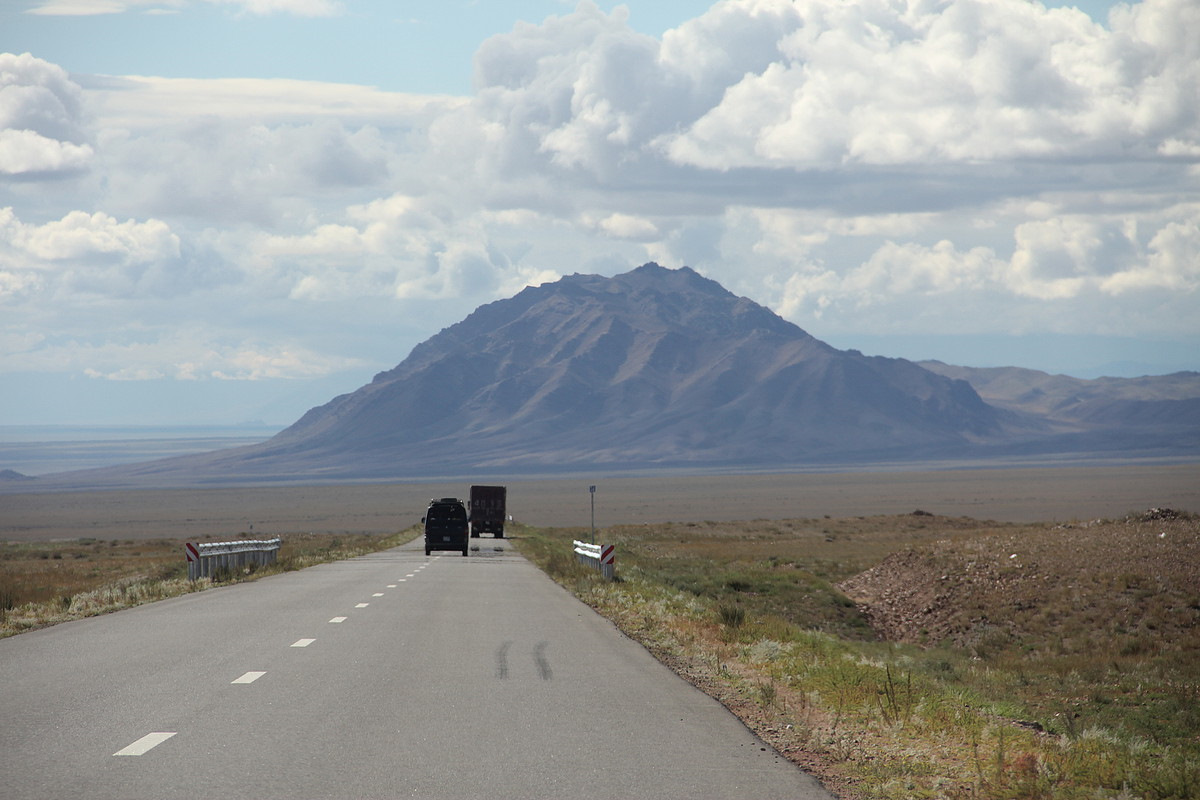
24 152
823 84
1061 260
86 254
571 93
80 235
888 83
42 129
624 226
401 247
1172 260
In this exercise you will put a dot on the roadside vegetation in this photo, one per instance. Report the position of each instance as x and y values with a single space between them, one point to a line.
44 583
918 656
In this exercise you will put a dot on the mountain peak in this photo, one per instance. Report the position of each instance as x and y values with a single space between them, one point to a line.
650 298
652 366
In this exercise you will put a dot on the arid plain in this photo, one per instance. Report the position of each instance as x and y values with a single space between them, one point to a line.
1019 494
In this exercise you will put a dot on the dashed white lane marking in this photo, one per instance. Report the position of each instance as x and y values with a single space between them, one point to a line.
362 605
249 677
303 642
391 586
145 744
409 575
401 580
377 594
338 619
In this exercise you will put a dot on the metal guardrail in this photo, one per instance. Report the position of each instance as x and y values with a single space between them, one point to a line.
203 560
600 556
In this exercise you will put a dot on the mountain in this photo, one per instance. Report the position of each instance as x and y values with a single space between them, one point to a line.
654 368
1149 400
1160 412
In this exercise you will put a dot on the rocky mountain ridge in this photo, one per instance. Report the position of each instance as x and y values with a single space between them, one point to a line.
1147 401
655 367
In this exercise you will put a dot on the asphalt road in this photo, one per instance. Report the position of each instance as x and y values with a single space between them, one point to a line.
393 675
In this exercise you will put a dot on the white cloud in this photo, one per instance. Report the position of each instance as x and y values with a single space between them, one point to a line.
195 355
1053 257
84 8
132 352
822 104
16 283
81 255
79 237
882 83
263 152
907 274
624 226
228 172
24 152
140 102
1071 263
42 128
574 93
303 8
73 8
1172 260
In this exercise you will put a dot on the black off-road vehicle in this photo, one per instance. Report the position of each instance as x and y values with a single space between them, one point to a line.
446 525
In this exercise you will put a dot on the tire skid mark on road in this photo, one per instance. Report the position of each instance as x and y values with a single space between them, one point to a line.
502 661
543 664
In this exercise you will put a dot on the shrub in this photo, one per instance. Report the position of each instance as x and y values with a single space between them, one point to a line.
731 615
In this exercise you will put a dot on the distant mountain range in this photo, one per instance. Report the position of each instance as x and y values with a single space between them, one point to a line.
661 368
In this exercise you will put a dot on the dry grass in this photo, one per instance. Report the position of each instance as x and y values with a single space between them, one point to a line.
1071 671
44 583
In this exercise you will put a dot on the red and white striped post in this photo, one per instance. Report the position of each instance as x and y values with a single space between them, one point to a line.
607 560
193 560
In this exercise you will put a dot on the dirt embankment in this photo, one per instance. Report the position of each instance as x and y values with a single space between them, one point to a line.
1132 584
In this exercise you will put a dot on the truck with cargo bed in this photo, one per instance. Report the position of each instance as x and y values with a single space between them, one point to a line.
488 510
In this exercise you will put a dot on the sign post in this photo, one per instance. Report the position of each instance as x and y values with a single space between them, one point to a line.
592 492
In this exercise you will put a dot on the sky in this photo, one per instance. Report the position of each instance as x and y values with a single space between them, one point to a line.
215 212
